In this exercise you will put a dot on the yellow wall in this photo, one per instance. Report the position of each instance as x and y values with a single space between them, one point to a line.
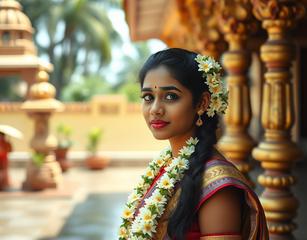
123 124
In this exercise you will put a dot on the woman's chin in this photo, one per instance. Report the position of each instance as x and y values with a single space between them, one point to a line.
160 136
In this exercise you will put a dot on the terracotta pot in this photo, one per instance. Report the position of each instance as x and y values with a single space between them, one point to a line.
61 157
95 162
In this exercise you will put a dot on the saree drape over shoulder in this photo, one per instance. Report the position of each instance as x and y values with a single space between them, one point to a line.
218 174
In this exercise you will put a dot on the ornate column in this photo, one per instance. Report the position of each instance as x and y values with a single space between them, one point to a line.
198 18
42 169
237 23
188 25
277 152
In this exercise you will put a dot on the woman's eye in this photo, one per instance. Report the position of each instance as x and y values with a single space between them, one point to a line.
147 97
171 96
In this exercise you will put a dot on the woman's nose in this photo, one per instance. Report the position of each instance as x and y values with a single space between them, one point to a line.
156 108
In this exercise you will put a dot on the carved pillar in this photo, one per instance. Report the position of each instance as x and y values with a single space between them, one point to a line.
179 39
277 152
237 23
201 26
187 23
209 39
42 169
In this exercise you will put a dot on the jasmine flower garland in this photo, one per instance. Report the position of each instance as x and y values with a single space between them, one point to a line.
143 226
217 86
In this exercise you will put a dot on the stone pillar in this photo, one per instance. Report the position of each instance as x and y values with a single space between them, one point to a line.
237 23
42 170
276 151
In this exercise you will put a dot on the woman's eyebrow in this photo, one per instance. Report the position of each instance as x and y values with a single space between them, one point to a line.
166 88
146 90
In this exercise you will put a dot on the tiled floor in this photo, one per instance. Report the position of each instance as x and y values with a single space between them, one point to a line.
88 207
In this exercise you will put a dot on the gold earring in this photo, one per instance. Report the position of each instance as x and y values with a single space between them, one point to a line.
199 122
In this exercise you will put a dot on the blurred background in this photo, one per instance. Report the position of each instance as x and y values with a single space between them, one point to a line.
73 141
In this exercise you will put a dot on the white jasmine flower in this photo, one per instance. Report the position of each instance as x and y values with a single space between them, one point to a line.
168 168
174 163
216 89
146 186
205 66
213 79
146 215
183 163
160 208
187 150
192 141
136 226
149 228
160 162
153 162
165 152
140 183
216 65
199 58
166 182
127 213
157 197
210 112
215 103
149 173
123 233
133 197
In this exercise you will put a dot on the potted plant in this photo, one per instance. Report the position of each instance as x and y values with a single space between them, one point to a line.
94 161
64 143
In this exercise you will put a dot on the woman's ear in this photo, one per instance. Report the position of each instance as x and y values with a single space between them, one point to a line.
204 102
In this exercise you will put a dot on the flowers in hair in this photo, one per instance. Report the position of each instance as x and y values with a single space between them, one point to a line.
141 222
217 87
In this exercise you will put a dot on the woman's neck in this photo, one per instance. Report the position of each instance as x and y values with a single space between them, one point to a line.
177 143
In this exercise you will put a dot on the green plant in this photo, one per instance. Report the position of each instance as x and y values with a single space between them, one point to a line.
63 135
38 158
94 137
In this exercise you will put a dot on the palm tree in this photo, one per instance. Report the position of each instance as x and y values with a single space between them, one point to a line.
79 35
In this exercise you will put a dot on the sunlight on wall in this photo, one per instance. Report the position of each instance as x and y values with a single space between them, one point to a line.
124 128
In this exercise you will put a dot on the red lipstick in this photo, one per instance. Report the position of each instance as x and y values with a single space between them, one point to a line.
157 124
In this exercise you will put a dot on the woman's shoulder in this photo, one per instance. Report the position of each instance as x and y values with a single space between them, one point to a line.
221 213
221 198
220 174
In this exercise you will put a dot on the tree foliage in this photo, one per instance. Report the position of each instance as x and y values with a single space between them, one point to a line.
85 88
128 76
77 33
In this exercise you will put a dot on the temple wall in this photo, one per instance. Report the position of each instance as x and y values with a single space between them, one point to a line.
122 123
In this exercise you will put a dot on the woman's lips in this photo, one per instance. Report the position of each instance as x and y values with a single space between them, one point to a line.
157 124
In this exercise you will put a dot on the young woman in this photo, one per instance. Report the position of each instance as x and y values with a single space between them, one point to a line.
190 191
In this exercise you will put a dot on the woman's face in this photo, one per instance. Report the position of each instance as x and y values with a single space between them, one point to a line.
167 106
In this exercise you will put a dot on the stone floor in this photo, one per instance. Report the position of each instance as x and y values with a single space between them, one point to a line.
88 207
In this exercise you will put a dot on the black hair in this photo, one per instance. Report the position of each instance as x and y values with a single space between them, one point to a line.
182 66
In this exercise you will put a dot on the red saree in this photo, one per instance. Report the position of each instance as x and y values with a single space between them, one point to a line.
218 175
